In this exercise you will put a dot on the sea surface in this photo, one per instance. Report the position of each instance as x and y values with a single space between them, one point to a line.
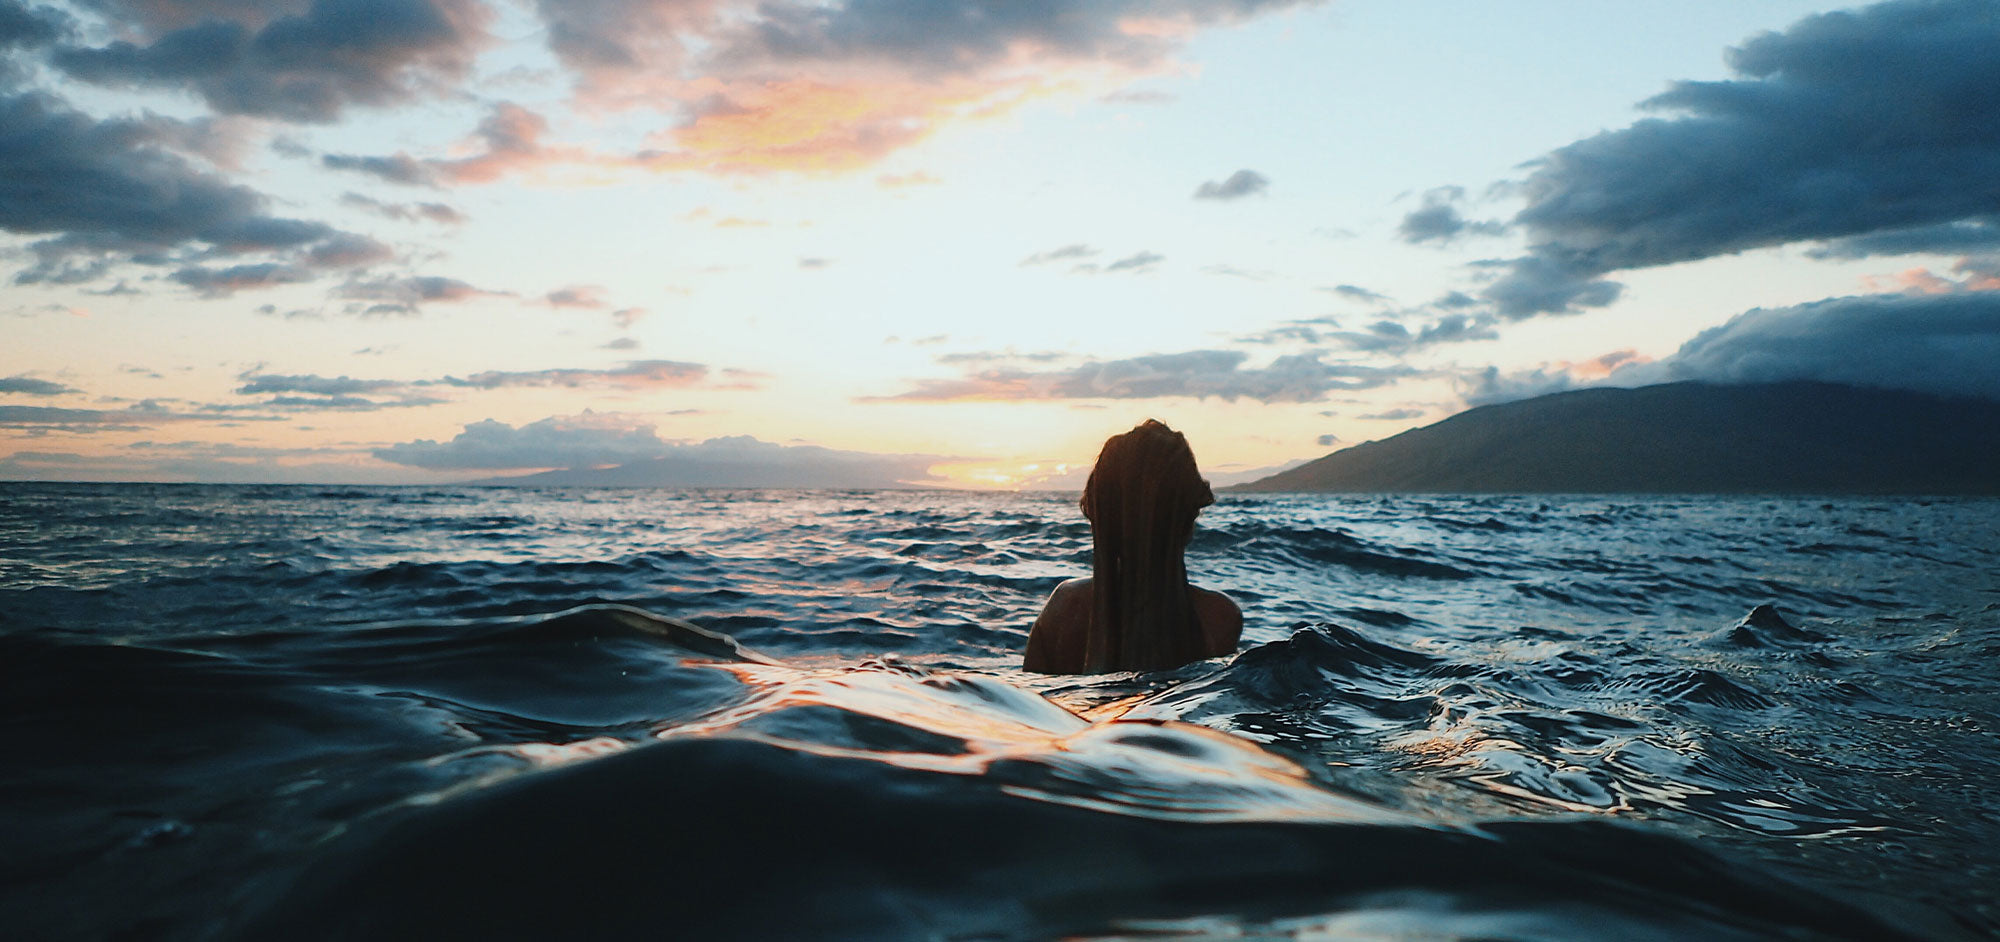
310 712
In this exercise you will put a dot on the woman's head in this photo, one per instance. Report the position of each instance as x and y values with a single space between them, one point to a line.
1141 501
1150 469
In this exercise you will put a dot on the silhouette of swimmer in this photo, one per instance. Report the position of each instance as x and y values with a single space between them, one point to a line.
1138 611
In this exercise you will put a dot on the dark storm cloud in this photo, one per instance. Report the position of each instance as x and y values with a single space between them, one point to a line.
24 26
29 386
1965 235
307 66
1240 184
1198 374
1947 344
1879 120
107 191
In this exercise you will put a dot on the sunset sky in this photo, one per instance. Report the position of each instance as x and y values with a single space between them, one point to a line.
955 243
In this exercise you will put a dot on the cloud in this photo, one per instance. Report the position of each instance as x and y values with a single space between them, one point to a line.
990 357
509 139
108 191
585 441
1393 415
1962 235
394 168
291 392
1439 220
1198 374
1136 263
217 462
223 282
142 414
788 85
1076 250
312 393
432 212
405 295
1947 344
802 85
579 296
1240 184
256 384
1874 122
639 457
23 26
1327 440
1490 385
636 374
30 386
1357 293
306 66
1382 336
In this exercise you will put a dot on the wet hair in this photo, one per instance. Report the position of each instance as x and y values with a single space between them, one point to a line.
1141 502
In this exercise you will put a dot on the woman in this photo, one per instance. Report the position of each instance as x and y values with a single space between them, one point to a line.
1138 611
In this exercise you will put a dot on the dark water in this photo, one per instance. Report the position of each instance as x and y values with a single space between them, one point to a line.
243 712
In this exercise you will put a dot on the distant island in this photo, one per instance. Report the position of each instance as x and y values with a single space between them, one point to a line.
1695 438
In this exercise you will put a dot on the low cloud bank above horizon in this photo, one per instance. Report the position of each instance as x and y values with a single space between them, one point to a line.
1944 344
622 452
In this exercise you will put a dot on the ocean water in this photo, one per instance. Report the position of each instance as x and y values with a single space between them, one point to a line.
285 712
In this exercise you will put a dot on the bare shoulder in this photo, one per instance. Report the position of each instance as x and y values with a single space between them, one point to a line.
1221 620
1056 642
1071 592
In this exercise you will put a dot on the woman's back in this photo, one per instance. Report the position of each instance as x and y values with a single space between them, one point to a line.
1059 641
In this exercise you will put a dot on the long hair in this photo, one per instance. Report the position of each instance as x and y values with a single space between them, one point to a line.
1141 502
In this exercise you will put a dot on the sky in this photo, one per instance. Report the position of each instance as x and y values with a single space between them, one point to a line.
853 242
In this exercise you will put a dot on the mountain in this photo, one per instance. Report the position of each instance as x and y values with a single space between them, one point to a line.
1778 438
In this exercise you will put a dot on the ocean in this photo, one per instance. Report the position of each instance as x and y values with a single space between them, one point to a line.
246 712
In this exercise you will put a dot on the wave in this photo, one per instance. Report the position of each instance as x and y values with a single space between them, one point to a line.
888 800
